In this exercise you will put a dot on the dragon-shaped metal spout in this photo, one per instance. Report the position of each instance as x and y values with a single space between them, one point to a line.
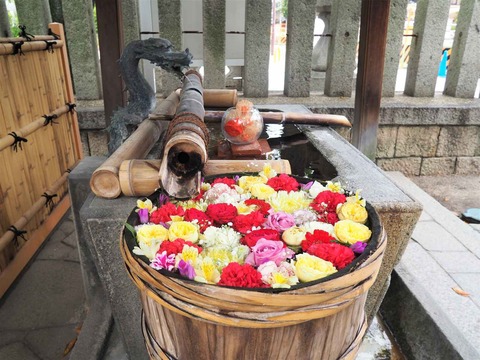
142 97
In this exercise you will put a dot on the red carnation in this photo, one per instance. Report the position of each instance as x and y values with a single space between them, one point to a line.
227 181
251 238
244 223
221 213
176 246
203 220
165 213
317 237
339 255
244 276
262 205
283 182
329 217
327 201
199 196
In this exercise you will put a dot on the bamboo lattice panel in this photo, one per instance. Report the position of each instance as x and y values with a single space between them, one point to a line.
34 83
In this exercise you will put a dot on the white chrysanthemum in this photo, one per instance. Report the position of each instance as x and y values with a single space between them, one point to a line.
317 225
289 202
316 189
148 249
222 238
228 198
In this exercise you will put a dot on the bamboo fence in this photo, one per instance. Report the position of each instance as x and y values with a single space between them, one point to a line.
39 145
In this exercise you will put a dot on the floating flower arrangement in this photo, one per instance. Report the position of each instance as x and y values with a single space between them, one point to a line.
257 231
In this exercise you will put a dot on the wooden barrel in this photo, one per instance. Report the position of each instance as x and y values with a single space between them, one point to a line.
186 320
140 177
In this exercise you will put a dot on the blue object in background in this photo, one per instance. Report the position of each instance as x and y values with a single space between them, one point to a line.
442 71
472 215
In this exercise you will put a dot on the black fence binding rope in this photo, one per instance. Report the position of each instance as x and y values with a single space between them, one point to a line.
16 234
49 119
49 200
24 34
17 47
17 141
49 46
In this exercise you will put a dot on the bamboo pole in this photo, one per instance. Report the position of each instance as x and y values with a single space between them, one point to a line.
104 181
185 151
36 38
221 98
30 213
277 118
38 123
140 177
8 48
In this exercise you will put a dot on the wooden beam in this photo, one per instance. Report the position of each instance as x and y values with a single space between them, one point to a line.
373 36
110 37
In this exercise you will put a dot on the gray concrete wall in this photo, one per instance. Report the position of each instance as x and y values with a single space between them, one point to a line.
35 15
425 53
214 43
464 67
298 60
4 22
82 48
257 47
344 23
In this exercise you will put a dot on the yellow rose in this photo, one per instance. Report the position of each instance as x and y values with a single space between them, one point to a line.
352 211
148 233
183 230
246 182
268 172
261 191
293 236
350 232
310 268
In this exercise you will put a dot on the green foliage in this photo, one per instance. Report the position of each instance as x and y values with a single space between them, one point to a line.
285 8
13 20
131 229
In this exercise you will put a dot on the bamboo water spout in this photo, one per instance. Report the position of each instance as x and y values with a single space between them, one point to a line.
185 151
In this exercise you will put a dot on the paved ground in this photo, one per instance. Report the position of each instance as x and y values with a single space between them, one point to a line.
41 312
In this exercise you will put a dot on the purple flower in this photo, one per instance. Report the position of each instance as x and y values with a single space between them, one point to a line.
358 247
143 215
163 261
307 186
186 269
280 221
236 177
162 199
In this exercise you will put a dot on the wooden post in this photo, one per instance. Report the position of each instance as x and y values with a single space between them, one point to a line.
110 36
373 35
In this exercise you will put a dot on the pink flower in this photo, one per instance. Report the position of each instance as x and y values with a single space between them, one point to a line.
268 250
163 261
279 221
186 269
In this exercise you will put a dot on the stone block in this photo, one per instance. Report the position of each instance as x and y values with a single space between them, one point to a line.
214 43
346 133
408 166
458 261
425 216
102 221
35 15
98 143
438 166
421 297
257 47
469 282
17 351
298 61
416 141
468 166
458 141
85 145
386 137
82 48
40 341
55 289
344 22
92 118
4 23
434 237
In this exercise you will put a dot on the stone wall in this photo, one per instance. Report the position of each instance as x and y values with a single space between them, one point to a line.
417 136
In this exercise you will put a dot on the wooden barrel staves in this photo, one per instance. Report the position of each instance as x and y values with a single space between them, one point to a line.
186 320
